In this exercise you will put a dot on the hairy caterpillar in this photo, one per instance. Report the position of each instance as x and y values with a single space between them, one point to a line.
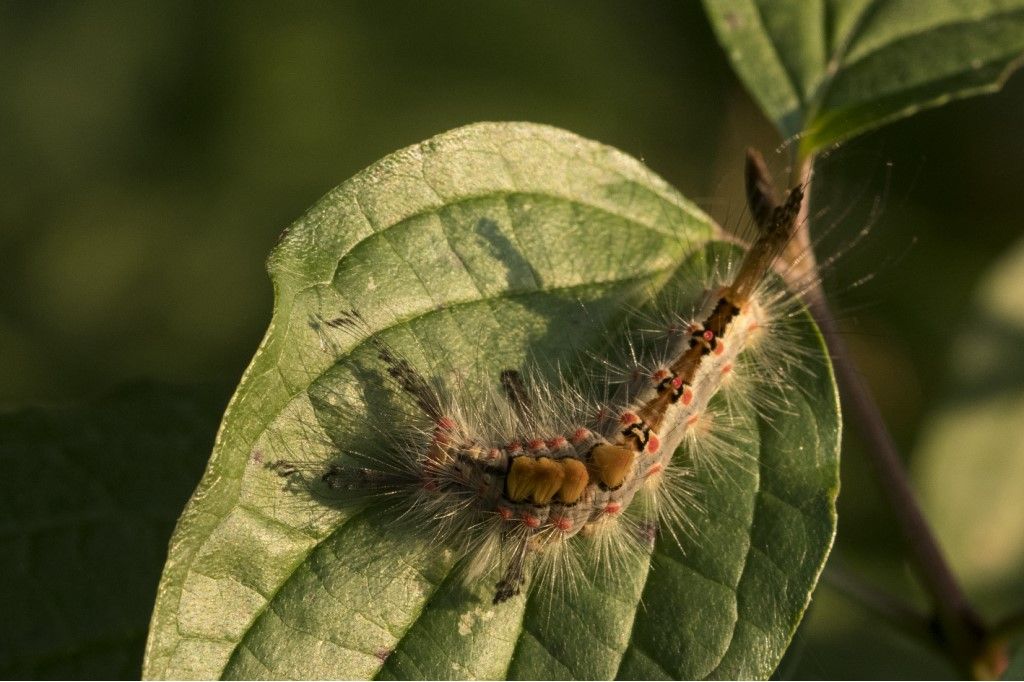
531 479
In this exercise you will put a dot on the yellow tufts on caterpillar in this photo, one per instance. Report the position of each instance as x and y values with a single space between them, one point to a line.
536 480
547 480
519 482
540 480
575 481
610 464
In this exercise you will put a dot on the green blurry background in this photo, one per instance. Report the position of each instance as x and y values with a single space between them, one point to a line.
150 154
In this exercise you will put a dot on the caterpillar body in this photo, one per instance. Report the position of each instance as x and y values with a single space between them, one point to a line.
544 472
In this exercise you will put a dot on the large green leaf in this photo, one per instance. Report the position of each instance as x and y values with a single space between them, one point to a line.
829 69
89 497
481 248
970 462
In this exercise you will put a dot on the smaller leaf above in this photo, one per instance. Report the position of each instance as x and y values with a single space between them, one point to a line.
826 70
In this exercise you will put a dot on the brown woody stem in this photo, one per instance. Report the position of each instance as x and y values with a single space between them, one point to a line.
888 607
961 628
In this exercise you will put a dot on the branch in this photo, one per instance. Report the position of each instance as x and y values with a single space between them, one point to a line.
886 606
961 626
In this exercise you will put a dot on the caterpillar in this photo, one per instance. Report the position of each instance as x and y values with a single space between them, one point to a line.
537 473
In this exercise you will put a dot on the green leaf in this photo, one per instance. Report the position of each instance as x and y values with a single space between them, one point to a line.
970 462
826 70
90 496
494 243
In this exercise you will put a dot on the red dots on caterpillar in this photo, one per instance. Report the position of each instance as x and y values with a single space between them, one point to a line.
562 523
628 419
612 508
531 521
654 470
580 435
653 444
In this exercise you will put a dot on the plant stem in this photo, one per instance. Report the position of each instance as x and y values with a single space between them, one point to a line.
961 626
888 607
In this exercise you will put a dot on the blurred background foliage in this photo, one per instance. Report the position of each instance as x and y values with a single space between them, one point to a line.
152 153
